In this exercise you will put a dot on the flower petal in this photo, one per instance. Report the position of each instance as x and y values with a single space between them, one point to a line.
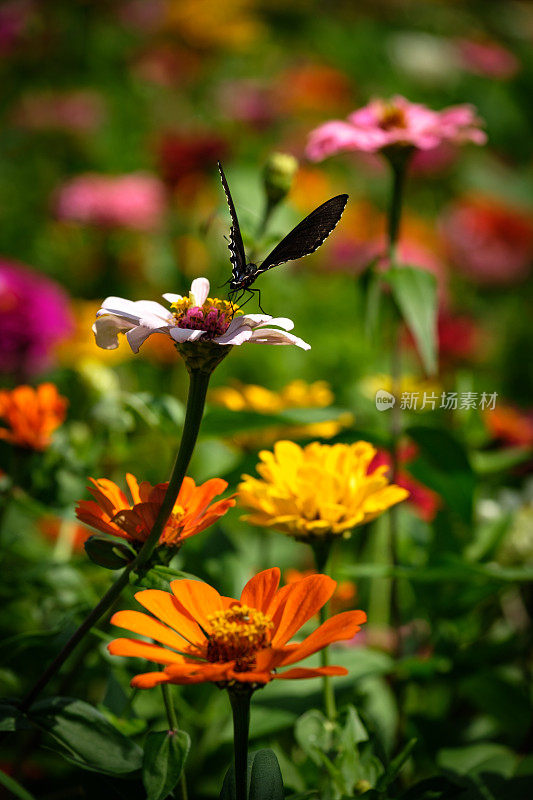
199 291
184 335
106 330
260 590
147 680
341 626
137 622
165 607
296 603
197 599
309 672
138 649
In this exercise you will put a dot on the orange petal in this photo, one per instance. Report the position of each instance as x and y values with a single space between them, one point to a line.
91 514
296 603
137 622
133 486
108 496
307 672
199 672
341 626
147 680
165 607
138 649
198 599
260 590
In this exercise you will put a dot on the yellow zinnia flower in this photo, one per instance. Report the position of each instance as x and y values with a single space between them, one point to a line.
251 397
296 394
319 490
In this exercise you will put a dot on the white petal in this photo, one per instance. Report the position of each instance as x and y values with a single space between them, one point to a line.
282 322
237 337
199 291
118 304
255 319
272 336
172 298
150 308
184 335
235 325
106 330
136 336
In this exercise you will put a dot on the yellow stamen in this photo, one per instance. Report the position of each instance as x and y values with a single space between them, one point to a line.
237 634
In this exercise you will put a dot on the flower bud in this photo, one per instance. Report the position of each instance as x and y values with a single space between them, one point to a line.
278 175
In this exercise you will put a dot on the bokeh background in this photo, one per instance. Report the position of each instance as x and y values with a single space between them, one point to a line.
113 115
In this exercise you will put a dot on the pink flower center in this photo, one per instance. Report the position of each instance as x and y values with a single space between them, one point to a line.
392 117
214 321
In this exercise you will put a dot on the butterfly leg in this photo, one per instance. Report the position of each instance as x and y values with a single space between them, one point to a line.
259 299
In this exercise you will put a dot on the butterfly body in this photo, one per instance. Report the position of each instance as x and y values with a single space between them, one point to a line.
303 240
242 279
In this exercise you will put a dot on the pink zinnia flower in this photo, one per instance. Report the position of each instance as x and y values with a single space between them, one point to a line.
396 123
135 201
491 243
34 316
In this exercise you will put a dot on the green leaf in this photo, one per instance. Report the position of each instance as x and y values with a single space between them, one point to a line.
476 758
11 718
165 753
395 766
415 293
266 782
314 734
108 553
15 789
264 778
86 737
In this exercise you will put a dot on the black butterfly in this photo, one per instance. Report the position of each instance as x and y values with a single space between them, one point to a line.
304 239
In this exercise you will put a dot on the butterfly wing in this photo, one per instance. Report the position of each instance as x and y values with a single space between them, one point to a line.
308 235
236 246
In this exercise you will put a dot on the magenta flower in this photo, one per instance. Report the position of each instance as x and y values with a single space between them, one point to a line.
135 201
382 125
35 316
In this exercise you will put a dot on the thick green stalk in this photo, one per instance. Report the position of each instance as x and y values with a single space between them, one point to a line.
199 381
240 705
173 726
399 170
321 551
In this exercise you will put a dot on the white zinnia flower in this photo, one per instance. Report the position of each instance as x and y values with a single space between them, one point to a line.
193 318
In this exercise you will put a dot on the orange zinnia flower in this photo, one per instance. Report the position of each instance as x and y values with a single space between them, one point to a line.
208 637
115 514
32 415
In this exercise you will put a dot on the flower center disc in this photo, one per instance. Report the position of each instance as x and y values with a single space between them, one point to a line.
392 117
237 634
213 317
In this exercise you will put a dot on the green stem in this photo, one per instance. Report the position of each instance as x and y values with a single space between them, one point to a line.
173 726
199 382
321 551
399 171
240 706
